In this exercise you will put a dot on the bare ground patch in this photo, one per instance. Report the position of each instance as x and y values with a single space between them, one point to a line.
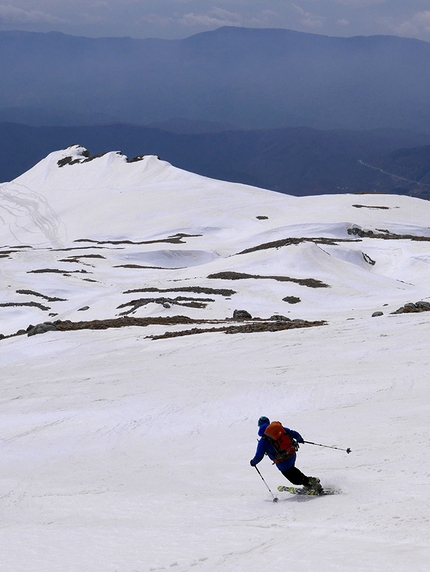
370 207
56 271
248 328
385 235
195 289
28 304
140 266
174 239
77 257
227 325
167 302
47 298
294 241
229 275
122 322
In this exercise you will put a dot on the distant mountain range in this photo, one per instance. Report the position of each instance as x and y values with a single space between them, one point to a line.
249 78
288 111
294 160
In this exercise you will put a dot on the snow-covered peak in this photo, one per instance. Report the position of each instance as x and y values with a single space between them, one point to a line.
71 195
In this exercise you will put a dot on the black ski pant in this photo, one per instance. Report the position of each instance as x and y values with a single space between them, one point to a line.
295 476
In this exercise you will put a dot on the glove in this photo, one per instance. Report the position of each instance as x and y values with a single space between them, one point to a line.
251 462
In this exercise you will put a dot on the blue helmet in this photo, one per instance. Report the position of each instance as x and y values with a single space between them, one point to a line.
263 421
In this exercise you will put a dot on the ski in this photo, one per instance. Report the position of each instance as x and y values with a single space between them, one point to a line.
308 492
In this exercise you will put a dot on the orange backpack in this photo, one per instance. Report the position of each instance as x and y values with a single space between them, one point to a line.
285 445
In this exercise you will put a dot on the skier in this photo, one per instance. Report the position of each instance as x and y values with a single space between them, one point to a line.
285 464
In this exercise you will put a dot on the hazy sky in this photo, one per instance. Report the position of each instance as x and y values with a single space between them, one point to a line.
180 18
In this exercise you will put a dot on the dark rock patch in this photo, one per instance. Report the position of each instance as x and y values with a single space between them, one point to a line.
125 321
57 271
367 259
41 328
174 239
136 159
28 304
413 308
229 275
47 298
7 253
263 326
195 289
385 235
369 207
137 266
167 302
291 299
241 315
294 241
77 257
274 324
74 248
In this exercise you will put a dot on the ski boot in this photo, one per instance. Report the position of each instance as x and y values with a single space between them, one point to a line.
314 486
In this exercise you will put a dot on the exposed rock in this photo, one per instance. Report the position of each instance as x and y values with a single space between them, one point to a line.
291 299
263 326
369 207
241 315
30 304
367 259
231 275
274 324
279 318
293 242
411 307
57 271
195 289
41 328
375 314
166 303
384 234
174 239
422 305
68 325
48 298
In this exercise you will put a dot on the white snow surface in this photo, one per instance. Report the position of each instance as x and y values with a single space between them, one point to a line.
121 453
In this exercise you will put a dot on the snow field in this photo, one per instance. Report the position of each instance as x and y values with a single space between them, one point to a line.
124 454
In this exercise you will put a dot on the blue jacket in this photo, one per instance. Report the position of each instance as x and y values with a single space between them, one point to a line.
264 447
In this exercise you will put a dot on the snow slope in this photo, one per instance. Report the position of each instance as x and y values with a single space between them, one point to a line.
123 453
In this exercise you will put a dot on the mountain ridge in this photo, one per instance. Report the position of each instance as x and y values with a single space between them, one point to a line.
295 160
257 78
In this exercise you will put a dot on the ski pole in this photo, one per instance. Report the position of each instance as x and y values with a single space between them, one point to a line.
328 446
275 499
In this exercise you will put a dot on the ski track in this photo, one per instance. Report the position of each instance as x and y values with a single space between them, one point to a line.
21 203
